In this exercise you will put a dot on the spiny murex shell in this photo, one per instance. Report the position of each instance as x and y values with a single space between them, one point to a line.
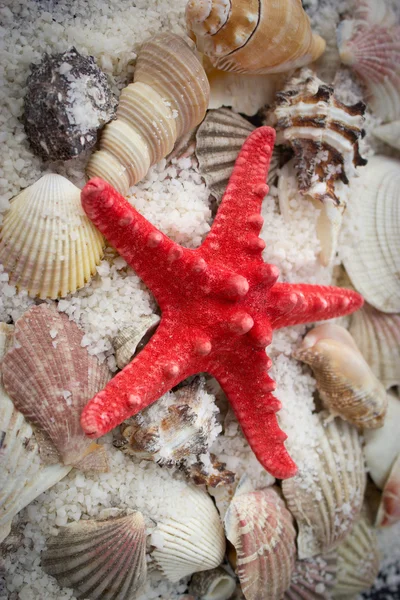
50 378
168 98
23 477
253 36
323 132
358 561
216 584
326 506
128 339
192 540
313 578
377 335
345 382
373 261
261 529
48 245
100 560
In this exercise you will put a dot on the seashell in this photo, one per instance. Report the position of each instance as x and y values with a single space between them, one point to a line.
99 559
389 508
313 578
216 584
50 378
372 265
193 541
358 561
168 98
260 36
132 338
261 530
389 133
218 142
345 382
378 337
370 45
324 134
23 477
326 510
48 245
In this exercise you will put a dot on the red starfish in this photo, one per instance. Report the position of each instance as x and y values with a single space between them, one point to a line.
219 303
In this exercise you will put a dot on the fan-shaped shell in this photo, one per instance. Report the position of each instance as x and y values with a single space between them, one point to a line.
100 560
48 245
373 264
358 561
345 382
389 133
168 98
50 378
253 36
128 339
216 584
377 335
313 578
193 541
389 508
326 510
260 528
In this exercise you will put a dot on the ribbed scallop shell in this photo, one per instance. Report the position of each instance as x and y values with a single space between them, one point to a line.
253 36
326 510
261 530
358 561
128 339
48 246
193 541
389 133
50 378
168 98
100 560
377 335
23 477
345 382
313 578
216 584
373 263
389 508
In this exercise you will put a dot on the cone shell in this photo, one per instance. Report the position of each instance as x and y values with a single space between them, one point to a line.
50 378
168 98
313 578
345 382
127 341
100 560
326 510
377 335
48 246
256 36
261 530
216 584
372 264
389 509
190 542
358 561
389 133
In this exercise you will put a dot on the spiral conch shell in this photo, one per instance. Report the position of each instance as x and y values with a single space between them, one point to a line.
168 98
253 36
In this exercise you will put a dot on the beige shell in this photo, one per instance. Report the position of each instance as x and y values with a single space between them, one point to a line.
389 508
216 584
313 578
253 36
377 335
99 560
389 133
373 262
168 98
261 530
23 477
191 542
48 246
326 509
358 561
50 378
128 340
345 382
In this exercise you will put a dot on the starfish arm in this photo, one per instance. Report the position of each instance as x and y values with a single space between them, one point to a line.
236 227
147 377
295 304
248 388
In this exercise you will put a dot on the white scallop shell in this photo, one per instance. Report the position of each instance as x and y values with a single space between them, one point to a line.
216 584
313 578
389 508
326 510
389 133
128 339
373 262
100 560
191 542
48 245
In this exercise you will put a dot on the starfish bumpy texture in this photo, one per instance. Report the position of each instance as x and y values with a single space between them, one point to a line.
220 304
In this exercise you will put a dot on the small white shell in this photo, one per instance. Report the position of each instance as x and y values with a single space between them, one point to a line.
100 560
389 508
128 339
313 578
213 585
48 245
389 133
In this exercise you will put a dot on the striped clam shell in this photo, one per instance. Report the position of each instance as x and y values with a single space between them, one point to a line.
313 578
